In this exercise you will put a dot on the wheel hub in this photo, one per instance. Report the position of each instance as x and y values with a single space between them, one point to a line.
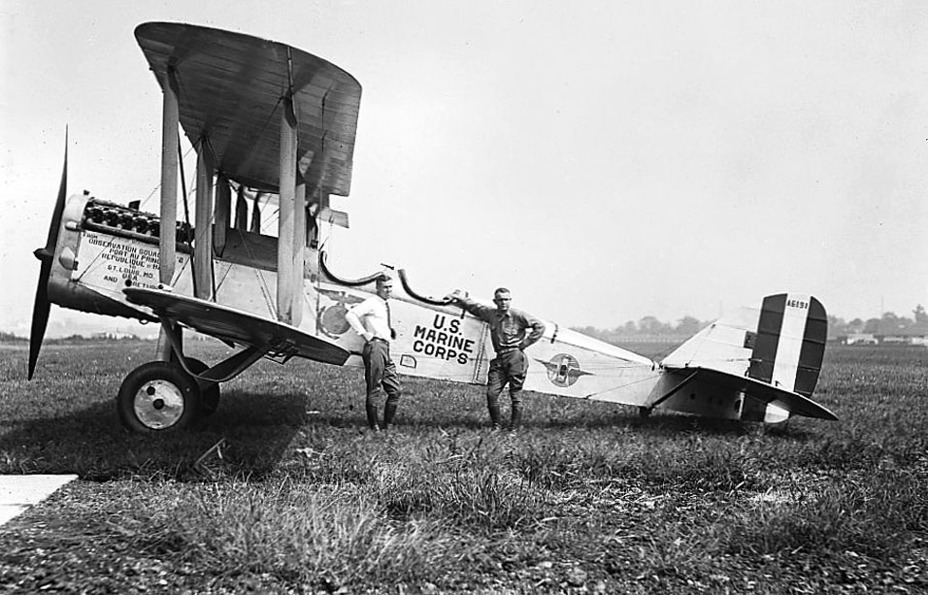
159 404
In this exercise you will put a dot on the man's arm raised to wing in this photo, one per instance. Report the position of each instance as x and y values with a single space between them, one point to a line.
479 310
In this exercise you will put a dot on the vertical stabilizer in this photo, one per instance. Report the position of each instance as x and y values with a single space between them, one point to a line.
790 342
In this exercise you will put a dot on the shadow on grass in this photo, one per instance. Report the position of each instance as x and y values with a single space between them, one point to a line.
545 412
666 424
92 443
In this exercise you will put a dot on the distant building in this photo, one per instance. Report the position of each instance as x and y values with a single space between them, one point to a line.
889 334
914 334
859 339
109 335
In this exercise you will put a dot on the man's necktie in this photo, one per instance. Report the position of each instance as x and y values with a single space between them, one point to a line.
390 321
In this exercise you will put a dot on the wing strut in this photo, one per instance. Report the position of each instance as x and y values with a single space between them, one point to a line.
203 211
170 156
170 145
299 243
286 287
223 213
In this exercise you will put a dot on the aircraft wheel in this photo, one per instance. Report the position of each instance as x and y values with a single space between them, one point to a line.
157 397
209 396
644 412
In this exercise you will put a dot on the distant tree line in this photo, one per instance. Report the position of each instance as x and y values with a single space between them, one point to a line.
649 327
10 338
888 324
6 337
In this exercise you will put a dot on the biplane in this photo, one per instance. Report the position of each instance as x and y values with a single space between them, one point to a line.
274 127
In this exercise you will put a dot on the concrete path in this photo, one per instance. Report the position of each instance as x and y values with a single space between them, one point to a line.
19 492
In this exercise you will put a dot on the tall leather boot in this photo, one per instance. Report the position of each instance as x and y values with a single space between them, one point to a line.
494 415
516 417
372 416
389 411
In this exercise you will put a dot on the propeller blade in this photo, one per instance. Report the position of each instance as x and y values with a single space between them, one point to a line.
40 311
42 306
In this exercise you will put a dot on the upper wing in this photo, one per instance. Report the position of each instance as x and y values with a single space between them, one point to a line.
234 325
229 89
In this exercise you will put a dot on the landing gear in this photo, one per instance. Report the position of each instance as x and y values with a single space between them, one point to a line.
209 394
163 396
644 412
158 397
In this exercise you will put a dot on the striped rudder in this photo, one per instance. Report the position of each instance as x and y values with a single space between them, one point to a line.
790 342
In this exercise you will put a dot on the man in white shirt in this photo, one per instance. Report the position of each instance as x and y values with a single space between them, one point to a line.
371 320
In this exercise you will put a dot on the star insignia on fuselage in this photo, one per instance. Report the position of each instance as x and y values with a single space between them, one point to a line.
563 369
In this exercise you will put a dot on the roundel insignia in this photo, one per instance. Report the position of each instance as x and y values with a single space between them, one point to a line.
332 320
563 370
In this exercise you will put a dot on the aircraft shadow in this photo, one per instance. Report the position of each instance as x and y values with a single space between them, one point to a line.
91 442
669 424
435 404
259 428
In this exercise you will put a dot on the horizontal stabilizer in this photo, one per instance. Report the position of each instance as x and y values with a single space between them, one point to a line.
792 402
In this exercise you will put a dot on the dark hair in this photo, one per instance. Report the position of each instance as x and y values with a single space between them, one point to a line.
500 290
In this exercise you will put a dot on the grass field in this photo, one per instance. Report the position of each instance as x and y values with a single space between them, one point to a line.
587 498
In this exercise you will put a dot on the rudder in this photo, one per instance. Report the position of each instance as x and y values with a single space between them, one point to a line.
789 345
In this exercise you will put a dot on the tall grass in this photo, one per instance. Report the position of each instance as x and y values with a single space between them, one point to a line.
334 537
872 515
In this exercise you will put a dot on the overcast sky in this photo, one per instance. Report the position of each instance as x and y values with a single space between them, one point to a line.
606 161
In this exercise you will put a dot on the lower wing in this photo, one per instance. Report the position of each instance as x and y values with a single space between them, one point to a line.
229 324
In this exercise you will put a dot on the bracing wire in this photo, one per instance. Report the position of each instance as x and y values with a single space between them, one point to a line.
158 185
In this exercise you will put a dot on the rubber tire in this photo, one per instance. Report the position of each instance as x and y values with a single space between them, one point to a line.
209 397
151 377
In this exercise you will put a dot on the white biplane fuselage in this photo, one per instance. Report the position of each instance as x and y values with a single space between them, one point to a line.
274 297
433 340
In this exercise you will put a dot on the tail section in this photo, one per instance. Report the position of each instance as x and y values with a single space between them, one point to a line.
790 342
754 365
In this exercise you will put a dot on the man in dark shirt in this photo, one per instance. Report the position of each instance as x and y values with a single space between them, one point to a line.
509 332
